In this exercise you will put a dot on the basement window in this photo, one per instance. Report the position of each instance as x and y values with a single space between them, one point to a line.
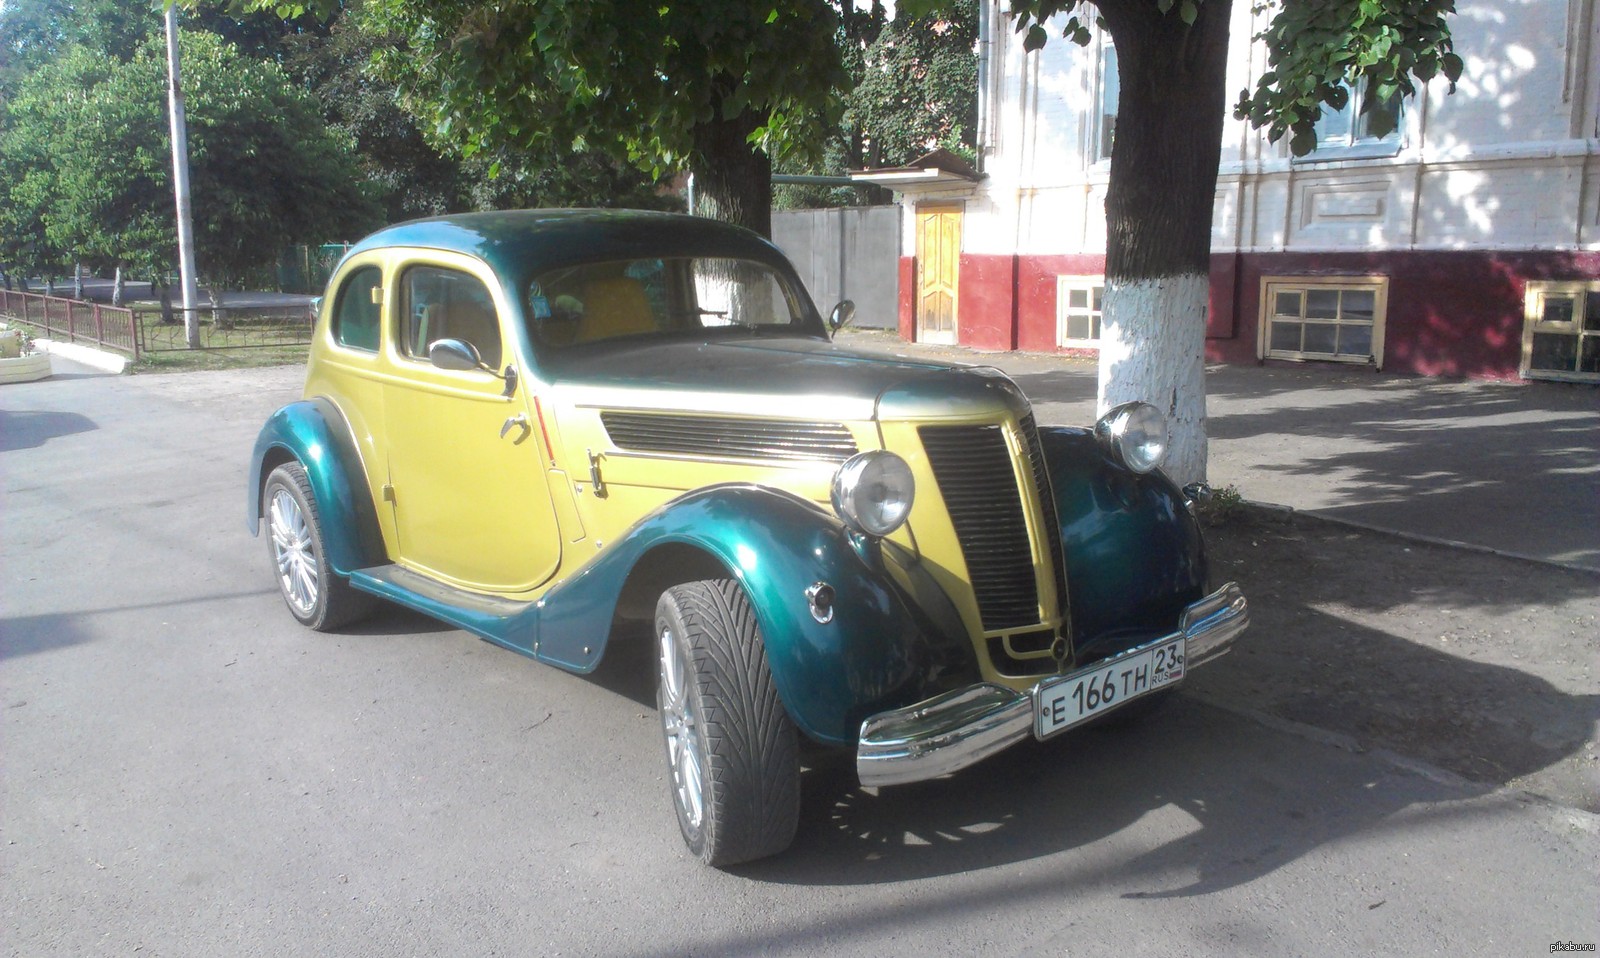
1330 319
1079 301
1561 331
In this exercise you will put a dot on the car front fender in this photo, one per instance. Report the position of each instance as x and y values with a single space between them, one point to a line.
887 642
313 432
1134 553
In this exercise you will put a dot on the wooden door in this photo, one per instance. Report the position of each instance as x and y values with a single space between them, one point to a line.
938 272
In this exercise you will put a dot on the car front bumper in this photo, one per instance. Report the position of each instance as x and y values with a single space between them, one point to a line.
958 728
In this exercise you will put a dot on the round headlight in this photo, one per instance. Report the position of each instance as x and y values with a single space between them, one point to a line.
1135 433
872 492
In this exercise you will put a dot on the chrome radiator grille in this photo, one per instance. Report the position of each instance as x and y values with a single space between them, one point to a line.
973 469
729 437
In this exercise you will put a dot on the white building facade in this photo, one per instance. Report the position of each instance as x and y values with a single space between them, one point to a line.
1467 242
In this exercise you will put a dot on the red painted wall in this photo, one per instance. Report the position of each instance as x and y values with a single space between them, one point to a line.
908 298
986 302
1449 313
1036 295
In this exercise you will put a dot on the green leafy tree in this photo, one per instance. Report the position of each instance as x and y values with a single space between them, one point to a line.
913 87
1172 61
413 175
35 32
85 154
918 87
711 86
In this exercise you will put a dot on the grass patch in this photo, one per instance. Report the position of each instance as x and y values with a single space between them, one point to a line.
185 360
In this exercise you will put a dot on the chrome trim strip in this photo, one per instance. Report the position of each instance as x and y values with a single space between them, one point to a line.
959 728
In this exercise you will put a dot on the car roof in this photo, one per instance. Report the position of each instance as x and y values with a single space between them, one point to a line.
516 243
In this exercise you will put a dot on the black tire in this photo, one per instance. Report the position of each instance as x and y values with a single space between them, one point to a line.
732 751
316 595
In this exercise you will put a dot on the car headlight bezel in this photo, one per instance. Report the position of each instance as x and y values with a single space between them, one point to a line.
873 492
1135 436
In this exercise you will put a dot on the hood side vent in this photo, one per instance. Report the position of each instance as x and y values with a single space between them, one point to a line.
729 437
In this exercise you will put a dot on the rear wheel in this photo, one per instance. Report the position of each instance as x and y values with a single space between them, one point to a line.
732 750
316 595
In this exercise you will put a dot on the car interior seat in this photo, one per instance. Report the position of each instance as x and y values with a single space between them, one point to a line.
615 306
475 324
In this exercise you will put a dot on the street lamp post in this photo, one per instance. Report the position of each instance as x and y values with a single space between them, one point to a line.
180 184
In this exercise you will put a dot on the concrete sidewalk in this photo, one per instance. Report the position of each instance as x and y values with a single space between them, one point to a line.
1509 467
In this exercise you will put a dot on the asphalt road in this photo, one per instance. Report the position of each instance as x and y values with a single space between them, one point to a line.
186 771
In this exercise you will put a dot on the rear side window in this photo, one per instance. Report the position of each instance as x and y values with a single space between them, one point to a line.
355 317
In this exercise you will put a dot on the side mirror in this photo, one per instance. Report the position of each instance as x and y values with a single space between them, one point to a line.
842 315
460 355
457 354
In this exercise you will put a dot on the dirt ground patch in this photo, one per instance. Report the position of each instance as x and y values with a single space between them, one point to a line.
1477 664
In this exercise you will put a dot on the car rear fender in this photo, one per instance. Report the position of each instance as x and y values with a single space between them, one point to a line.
881 646
314 433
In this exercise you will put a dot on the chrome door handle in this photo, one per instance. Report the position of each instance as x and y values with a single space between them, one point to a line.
515 421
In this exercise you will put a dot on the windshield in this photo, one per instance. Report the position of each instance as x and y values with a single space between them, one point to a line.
594 302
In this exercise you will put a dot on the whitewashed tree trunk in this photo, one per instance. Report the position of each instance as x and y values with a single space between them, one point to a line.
1152 349
1172 64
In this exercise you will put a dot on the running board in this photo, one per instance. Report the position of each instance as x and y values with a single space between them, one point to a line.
501 621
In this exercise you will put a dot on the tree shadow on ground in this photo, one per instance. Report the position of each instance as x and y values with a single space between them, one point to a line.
1240 799
1417 454
30 430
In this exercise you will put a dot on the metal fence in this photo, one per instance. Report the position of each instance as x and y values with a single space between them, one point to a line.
228 327
141 331
74 321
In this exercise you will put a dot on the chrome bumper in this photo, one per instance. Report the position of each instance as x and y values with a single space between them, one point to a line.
956 729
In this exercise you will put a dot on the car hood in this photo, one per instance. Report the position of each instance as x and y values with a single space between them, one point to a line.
781 377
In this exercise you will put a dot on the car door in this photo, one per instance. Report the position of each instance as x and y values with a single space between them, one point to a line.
467 485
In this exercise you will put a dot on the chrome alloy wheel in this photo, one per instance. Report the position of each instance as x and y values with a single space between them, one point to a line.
680 723
294 552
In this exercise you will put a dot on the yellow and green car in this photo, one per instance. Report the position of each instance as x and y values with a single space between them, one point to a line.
554 429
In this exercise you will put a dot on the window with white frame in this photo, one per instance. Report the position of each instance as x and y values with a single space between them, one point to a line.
1079 300
1108 88
1332 318
1347 132
1561 331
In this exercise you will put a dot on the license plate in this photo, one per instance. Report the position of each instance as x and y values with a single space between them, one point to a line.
1065 702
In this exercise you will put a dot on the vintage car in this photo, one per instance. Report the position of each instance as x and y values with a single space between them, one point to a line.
553 428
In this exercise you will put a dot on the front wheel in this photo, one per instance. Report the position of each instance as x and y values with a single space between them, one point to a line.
316 595
732 750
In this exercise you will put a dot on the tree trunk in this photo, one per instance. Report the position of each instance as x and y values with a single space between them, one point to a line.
732 177
219 316
77 281
1158 216
168 317
118 289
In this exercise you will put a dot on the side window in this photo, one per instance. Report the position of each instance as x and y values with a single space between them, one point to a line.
1108 90
443 303
355 318
1349 133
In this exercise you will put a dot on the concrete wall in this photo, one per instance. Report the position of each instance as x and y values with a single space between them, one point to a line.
849 253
